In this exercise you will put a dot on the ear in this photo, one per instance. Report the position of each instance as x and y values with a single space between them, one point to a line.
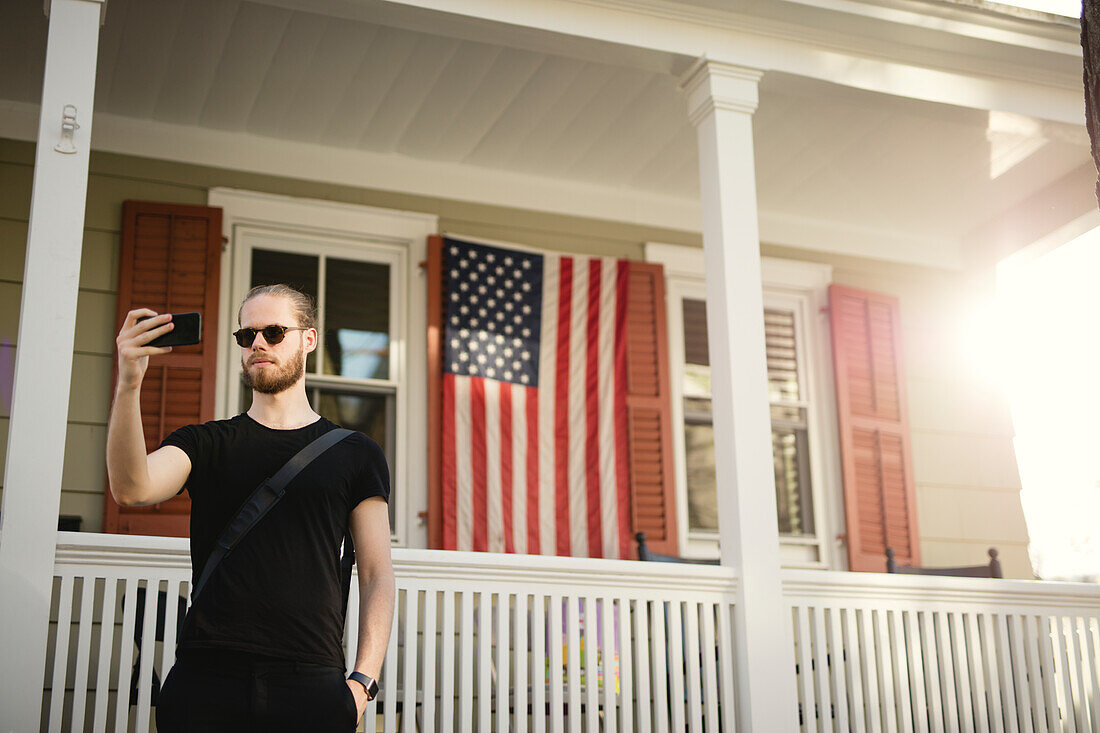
310 340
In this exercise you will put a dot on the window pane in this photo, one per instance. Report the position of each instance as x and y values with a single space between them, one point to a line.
357 319
792 481
372 414
695 332
782 362
702 497
299 271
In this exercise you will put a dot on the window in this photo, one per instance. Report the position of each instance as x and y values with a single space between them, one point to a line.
356 262
790 444
803 449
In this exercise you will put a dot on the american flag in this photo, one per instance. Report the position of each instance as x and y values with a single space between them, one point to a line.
534 389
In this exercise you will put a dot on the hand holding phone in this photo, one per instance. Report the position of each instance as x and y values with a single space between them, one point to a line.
187 330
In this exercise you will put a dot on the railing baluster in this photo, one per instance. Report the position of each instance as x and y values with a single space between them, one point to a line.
961 669
503 673
822 685
447 675
948 688
555 638
886 671
626 664
484 661
522 658
390 681
1022 682
915 660
106 648
126 651
659 663
540 667
411 623
466 662
61 651
644 711
710 672
425 715
930 655
83 650
573 661
977 672
998 706
903 699
674 626
147 651
608 645
857 719
725 666
693 662
1091 642
1049 671
869 661
1067 700
1032 652
590 660
838 656
804 667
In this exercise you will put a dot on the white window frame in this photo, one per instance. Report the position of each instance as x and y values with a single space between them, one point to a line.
337 229
801 287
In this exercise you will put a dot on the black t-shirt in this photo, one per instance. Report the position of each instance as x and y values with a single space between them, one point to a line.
279 592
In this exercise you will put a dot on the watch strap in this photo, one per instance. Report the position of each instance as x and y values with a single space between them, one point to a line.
369 683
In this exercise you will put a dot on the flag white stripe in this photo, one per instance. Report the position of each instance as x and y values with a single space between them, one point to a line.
519 467
463 472
492 468
578 398
548 348
608 496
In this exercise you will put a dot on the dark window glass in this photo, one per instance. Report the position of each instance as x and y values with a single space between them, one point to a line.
357 319
271 267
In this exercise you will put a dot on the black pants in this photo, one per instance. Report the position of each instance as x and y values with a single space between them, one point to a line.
215 693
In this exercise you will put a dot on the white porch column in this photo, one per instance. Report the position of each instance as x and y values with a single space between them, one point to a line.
721 102
43 365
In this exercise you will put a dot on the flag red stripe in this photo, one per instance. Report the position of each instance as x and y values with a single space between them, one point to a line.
450 529
506 463
592 413
532 402
561 411
479 465
621 462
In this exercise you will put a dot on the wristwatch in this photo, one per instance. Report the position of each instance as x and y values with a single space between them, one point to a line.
368 683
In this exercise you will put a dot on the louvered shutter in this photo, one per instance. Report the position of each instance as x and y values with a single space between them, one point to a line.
648 410
169 261
879 495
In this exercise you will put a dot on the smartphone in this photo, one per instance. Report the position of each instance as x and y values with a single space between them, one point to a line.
187 331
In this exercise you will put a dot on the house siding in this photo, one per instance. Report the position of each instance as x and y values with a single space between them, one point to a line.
962 435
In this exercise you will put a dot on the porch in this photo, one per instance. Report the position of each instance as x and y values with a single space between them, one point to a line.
495 643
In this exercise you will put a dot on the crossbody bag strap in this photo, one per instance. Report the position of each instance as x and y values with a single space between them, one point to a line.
266 495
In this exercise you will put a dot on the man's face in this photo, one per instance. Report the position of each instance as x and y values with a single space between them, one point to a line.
274 368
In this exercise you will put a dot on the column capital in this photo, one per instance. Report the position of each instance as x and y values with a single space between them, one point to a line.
714 85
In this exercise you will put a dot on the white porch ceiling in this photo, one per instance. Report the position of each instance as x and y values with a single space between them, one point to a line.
833 163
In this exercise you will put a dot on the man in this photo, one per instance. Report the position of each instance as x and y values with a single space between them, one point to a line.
262 646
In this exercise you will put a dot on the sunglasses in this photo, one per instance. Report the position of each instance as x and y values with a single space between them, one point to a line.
272 334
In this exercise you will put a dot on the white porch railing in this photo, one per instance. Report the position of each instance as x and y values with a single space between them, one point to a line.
505 643
480 642
879 652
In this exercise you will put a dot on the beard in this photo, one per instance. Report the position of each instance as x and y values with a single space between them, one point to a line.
277 377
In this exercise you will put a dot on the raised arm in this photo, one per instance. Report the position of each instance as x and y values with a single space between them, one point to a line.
370 531
136 478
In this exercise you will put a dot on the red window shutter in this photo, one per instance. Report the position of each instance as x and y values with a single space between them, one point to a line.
879 495
649 409
434 267
170 261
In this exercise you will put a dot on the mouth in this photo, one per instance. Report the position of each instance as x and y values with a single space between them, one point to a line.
260 362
